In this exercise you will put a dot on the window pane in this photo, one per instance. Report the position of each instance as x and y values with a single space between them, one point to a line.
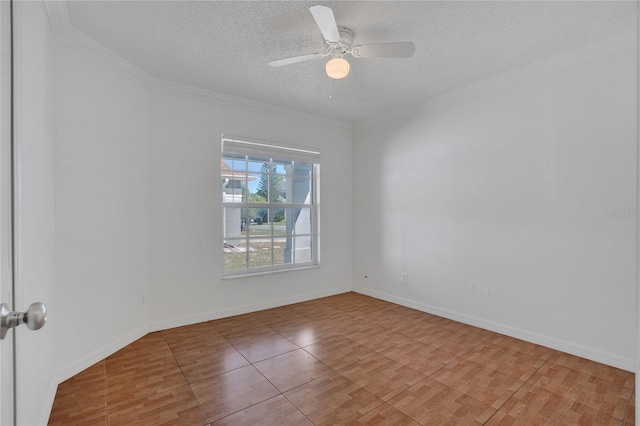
244 222
279 218
278 188
259 228
233 178
256 196
231 163
280 223
276 216
258 180
232 231
302 221
279 247
233 189
235 257
302 249
259 215
303 169
302 191
280 167
259 253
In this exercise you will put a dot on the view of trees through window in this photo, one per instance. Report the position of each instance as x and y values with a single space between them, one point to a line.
273 195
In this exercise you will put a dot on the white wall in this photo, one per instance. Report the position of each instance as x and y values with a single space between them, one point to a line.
138 219
35 270
101 215
496 202
186 219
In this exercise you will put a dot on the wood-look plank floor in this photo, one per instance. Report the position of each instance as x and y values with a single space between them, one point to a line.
345 359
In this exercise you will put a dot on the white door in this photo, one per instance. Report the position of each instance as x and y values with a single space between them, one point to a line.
26 253
7 372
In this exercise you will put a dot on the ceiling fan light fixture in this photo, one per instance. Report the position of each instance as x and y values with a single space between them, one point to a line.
338 68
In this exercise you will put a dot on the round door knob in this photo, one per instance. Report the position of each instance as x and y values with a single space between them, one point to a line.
36 316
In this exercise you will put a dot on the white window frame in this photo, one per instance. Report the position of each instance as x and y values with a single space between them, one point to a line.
239 147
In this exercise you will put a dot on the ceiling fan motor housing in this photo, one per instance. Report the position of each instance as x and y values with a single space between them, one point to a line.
342 47
346 36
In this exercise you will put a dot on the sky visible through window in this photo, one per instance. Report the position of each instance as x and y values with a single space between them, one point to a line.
254 168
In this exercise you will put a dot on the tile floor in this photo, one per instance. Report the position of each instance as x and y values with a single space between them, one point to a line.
345 359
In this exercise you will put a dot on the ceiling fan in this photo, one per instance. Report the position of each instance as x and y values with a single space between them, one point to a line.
339 43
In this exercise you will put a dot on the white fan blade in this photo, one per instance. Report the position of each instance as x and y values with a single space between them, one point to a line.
296 59
402 49
326 22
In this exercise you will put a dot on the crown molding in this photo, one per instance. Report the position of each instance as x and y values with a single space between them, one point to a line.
624 40
552 63
65 32
244 104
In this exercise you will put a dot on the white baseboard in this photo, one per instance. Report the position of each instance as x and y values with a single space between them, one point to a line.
239 310
101 353
114 346
614 360
48 403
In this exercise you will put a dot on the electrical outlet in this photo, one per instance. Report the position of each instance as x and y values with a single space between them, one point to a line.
405 278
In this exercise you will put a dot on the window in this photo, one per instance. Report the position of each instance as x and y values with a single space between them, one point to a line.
269 206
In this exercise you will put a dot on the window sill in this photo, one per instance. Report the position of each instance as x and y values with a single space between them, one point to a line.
274 271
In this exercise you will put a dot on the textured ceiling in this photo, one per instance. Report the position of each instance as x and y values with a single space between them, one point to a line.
225 46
